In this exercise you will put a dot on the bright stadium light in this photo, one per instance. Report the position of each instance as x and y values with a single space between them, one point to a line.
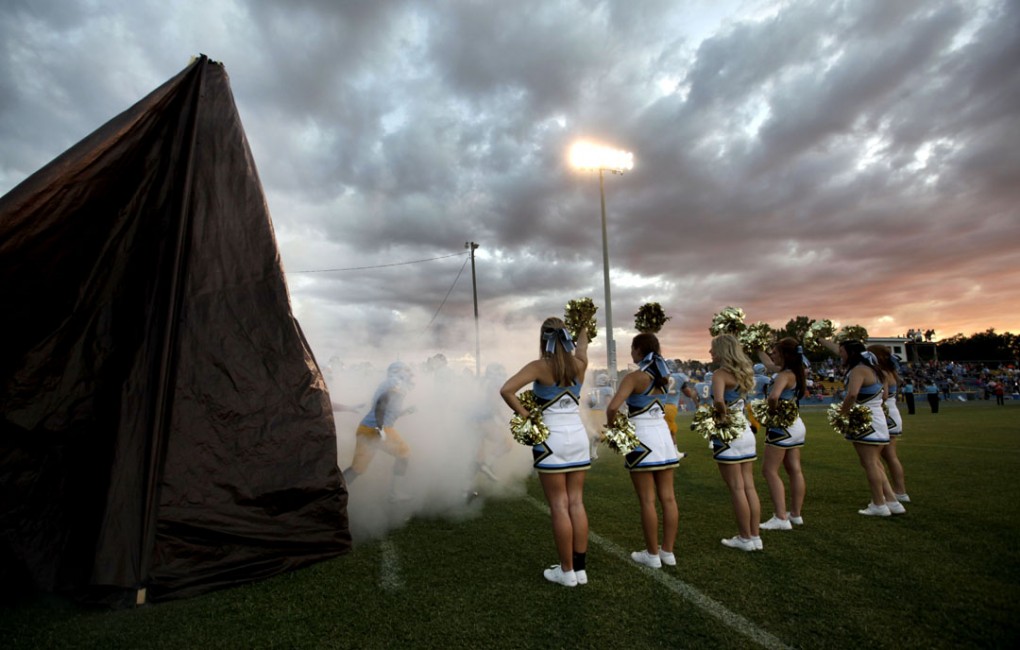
593 157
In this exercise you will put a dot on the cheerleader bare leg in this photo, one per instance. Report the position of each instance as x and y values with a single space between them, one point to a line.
774 457
798 487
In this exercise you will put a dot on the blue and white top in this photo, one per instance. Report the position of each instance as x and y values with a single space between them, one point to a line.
868 392
558 400
646 404
394 405
732 396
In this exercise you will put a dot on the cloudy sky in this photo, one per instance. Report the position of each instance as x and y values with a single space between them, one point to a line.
858 161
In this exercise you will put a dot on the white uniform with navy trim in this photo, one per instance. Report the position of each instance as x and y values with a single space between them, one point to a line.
741 449
871 396
896 420
791 436
567 447
657 450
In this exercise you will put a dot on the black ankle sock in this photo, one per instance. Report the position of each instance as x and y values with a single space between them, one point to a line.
579 561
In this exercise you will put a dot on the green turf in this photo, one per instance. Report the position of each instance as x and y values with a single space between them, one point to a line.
944 575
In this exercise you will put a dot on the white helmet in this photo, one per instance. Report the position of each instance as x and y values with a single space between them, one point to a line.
400 371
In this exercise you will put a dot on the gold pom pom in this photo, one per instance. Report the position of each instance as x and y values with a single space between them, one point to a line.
580 315
708 424
854 424
757 336
785 414
650 318
729 321
529 430
620 436
820 329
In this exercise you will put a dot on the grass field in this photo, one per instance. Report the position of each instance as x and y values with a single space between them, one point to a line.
945 575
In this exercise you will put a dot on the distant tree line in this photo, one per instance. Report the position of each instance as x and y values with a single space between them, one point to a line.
983 346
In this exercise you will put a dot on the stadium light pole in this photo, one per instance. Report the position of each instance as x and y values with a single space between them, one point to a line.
592 157
471 246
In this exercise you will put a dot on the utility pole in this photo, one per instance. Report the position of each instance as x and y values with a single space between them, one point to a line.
471 246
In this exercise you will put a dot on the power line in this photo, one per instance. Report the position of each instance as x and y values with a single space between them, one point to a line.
380 266
448 291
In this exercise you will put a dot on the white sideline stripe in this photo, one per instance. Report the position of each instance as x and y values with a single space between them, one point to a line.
389 572
710 606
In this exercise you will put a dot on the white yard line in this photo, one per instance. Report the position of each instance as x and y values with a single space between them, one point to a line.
389 572
710 606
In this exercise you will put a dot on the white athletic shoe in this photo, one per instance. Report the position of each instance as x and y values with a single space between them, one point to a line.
582 577
903 498
796 521
895 507
740 543
758 544
647 559
875 511
776 524
561 577
669 559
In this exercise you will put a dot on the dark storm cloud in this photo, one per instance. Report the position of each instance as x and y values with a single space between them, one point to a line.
856 161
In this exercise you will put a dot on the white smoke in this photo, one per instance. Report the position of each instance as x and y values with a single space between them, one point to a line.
458 424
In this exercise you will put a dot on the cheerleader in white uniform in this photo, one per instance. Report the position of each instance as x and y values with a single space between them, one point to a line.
562 460
733 379
782 444
652 463
865 385
888 363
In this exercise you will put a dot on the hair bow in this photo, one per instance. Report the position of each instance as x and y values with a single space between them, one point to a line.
803 357
563 335
870 358
655 361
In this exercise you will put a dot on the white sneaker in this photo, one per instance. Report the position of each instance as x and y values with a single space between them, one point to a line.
875 511
667 558
776 524
582 577
647 559
561 577
738 542
903 498
895 507
758 545
796 521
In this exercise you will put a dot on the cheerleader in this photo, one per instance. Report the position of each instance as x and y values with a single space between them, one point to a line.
782 444
563 459
888 364
865 384
730 382
652 463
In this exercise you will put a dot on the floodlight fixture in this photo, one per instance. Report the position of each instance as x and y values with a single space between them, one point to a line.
589 156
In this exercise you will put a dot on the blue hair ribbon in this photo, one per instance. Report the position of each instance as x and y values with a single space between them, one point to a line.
803 357
564 337
655 361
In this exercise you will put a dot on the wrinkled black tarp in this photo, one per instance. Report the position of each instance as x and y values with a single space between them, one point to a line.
164 424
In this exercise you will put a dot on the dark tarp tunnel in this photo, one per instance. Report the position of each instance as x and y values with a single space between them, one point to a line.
164 422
